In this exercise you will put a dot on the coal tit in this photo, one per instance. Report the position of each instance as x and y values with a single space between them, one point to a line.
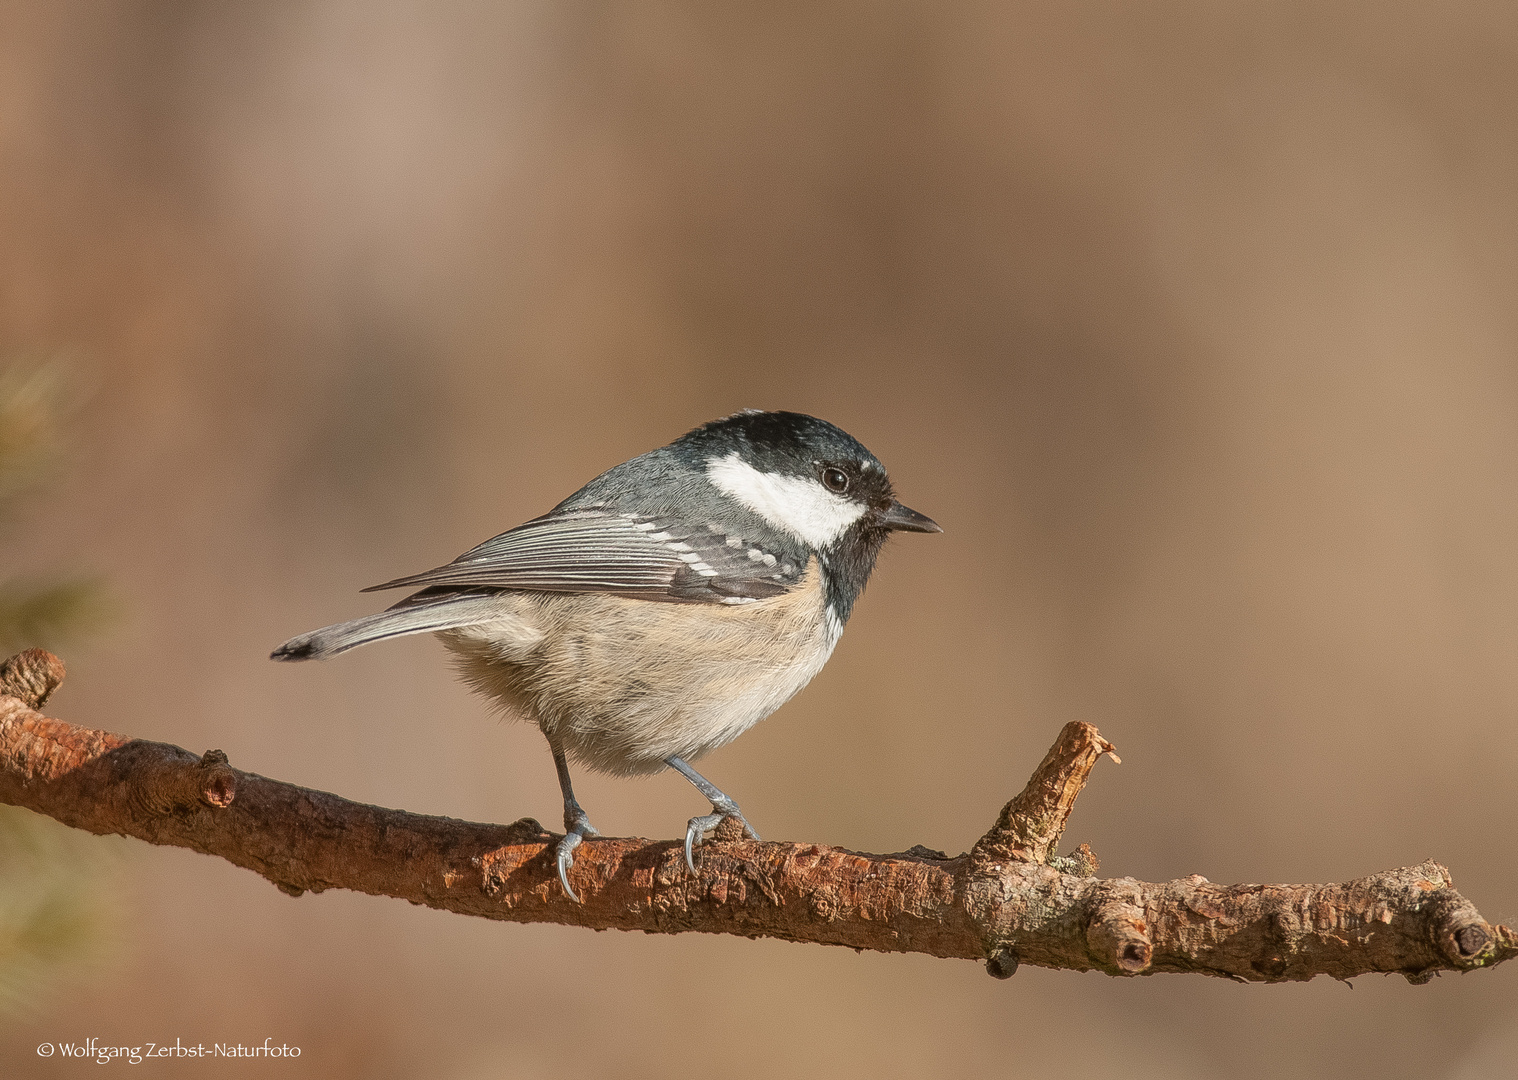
664 608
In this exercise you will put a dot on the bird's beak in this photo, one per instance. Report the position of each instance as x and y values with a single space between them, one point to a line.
904 519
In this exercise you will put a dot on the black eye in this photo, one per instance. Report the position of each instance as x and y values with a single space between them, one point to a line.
835 480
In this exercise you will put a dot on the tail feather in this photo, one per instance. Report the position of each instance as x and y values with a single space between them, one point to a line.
397 622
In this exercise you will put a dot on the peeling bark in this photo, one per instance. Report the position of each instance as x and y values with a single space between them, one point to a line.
1011 900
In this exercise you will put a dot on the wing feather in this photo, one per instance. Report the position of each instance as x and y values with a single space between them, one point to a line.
602 551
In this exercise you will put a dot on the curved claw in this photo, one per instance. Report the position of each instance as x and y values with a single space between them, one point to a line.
698 827
693 833
576 828
566 850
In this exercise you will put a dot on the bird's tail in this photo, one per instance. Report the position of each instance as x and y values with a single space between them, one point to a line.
416 618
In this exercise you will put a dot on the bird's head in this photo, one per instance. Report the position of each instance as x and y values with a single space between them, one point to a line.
806 478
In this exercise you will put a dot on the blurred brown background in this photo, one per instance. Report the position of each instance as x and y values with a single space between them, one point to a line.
1193 324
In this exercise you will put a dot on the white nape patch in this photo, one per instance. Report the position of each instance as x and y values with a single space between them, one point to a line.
798 504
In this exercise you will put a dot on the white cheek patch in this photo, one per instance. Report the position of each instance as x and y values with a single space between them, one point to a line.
798 504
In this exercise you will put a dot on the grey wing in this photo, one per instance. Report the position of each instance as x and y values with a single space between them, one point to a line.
606 552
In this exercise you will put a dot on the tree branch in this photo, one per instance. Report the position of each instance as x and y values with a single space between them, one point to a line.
1010 900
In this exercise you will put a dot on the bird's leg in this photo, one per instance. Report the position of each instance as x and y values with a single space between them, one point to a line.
576 825
722 807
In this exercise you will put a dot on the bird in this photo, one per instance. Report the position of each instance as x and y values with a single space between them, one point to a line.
664 608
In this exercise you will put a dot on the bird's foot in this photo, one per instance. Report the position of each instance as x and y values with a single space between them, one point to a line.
577 827
696 830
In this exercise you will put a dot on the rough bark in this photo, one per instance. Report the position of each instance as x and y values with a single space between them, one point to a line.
1010 900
